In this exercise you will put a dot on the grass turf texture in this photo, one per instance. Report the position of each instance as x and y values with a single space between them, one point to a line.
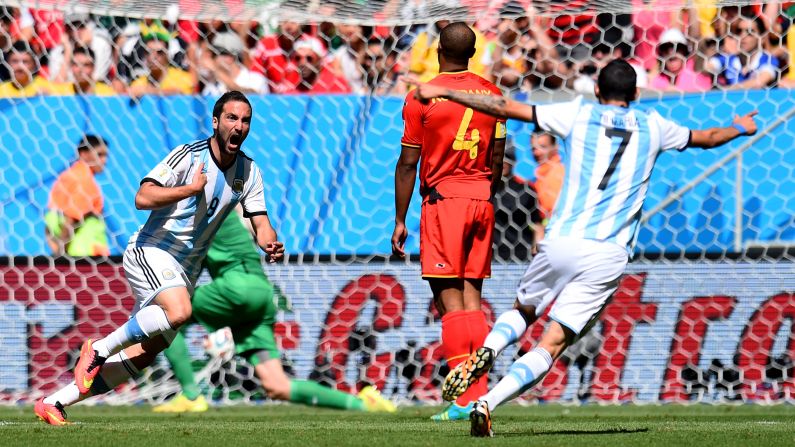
286 425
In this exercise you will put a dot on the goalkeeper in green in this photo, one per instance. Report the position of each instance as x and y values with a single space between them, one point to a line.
240 296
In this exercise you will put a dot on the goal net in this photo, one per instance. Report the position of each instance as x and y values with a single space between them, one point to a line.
705 312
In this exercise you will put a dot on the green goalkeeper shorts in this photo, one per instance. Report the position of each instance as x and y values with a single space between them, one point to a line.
244 302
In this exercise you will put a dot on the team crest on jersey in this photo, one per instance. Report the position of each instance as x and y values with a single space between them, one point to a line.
168 274
440 265
237 185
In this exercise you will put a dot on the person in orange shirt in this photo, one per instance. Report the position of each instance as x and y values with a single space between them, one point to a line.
163 79
549 173
74 223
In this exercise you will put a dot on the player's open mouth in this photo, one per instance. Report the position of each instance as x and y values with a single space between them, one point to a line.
234 140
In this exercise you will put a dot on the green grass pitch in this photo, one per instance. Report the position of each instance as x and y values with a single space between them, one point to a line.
287 425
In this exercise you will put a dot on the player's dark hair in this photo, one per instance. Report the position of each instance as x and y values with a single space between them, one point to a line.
230 96
90 141
617 81
457 42
84 50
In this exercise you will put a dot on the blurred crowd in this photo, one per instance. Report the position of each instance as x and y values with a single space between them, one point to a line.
674 45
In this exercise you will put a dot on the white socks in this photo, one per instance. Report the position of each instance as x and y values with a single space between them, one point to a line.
116 370
524 373
510 326
147 323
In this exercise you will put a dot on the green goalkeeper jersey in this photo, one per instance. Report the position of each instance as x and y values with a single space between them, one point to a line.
233 247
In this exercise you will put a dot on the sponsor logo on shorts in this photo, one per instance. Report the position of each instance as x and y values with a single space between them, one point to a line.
168 274
439 265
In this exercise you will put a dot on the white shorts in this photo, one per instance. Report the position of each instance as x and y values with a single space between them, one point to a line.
149 271
581 273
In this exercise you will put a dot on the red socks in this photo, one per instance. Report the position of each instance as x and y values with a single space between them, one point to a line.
463 332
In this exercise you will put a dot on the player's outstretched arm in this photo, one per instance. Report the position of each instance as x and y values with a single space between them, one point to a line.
152 196
716 136
494 105
266 237
405 175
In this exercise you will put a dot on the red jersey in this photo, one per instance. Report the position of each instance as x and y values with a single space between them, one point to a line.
456 141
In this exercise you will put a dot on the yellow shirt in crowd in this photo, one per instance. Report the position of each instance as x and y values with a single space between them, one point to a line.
39 86
175 79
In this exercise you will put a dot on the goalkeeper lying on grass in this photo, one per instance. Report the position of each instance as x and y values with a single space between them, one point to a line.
241 296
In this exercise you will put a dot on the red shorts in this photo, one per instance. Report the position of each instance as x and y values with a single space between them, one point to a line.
455 238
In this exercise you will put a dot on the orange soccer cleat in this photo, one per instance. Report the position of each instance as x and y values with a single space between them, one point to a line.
87 367
51 414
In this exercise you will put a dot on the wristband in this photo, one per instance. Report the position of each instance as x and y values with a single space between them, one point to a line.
743 130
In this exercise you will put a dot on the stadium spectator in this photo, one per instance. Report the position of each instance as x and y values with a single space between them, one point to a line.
516 214
6 22
271 56
674 72
650 19
74 223
523 55
162 77
25 80
21 25
377 65
133 52
347 59
585 79
572 28
424 61
81 80
549 173
313 76
223 70
81 31
750 66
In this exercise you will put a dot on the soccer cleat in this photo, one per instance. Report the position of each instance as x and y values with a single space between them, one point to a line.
466 373
480 420
181 404
87 367
374 402
454 412
51 414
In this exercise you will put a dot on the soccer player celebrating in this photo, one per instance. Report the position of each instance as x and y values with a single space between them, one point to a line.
461 155
612 148
241 297
190 193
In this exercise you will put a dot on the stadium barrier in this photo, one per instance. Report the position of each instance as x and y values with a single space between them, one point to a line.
713 331
329 167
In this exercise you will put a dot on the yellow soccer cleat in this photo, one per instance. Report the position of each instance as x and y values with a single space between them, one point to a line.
181 404
51 414
375 402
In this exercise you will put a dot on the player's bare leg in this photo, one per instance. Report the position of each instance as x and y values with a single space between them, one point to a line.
280 387
509 328
170 309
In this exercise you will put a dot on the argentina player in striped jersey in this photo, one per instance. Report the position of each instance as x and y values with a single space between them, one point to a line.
189 193
611 148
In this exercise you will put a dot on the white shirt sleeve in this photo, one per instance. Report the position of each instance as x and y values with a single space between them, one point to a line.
173 170
672 135
557 118
253 197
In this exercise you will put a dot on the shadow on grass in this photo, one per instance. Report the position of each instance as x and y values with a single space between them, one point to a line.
610 431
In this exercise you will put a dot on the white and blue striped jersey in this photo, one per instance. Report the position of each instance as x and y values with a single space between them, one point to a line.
186 228
609 154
